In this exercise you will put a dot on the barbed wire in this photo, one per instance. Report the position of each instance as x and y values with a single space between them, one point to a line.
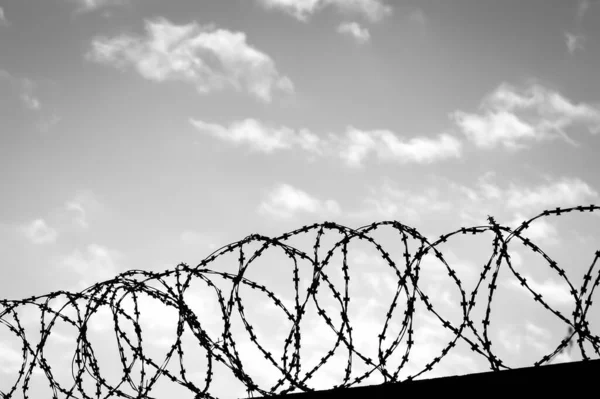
222 349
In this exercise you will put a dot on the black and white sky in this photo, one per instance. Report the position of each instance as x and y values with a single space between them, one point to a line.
138 134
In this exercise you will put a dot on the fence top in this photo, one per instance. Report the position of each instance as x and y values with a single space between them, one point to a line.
169 288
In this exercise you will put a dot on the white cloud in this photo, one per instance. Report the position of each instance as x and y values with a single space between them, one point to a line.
259 136
39 232
285 201
502 127
94 265
205 56
389 147
374 10
353 147
562 192
514 118
353 29
574 42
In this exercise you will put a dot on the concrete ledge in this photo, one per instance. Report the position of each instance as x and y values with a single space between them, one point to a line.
554 379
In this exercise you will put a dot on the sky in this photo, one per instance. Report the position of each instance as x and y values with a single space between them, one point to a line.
139 134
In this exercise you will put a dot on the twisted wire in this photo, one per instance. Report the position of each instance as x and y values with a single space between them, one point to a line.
222 349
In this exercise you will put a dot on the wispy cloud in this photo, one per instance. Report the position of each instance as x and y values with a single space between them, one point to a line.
561 192
352 147
95 264
39 232
357 144
539 230
260 137
209 58
353 29
537 331
25 89
374 10
11 358
81 206
514 118
516 199
551 291
390 202
516 340
418 16
574 42
91 5
510 340
48 123
197 241
301 10
445 199
286 201
3 20
582 7
27 95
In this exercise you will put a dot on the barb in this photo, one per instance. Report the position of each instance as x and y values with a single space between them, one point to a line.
78 308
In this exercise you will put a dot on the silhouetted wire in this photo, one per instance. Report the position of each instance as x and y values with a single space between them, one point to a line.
133 283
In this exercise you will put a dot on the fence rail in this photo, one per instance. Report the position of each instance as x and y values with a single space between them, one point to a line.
79 307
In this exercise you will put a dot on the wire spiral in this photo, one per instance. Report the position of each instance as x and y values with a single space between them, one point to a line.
79 307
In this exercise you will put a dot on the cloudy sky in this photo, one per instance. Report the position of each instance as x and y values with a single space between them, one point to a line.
138 134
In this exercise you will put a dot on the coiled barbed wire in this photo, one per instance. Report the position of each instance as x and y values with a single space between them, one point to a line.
132 283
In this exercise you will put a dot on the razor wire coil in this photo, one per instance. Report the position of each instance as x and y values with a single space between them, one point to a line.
133 283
